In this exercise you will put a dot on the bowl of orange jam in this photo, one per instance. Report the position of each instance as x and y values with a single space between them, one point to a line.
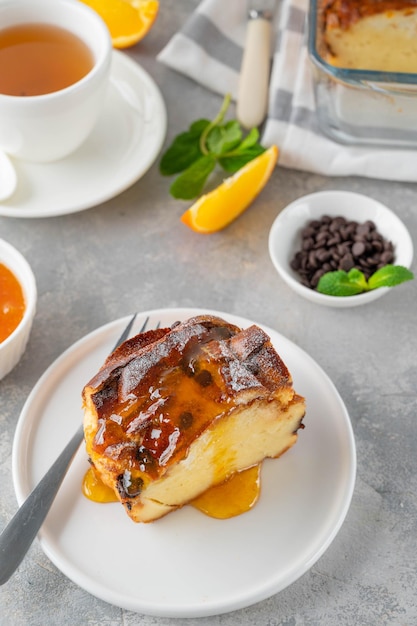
17 306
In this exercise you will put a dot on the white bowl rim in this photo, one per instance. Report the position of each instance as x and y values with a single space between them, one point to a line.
28 284
406 253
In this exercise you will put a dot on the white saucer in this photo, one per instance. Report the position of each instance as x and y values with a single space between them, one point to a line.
188 564
122 147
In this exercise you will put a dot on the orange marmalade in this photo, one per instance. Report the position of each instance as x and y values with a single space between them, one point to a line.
12 302
235 496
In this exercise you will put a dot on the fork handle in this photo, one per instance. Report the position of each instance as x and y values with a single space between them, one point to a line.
17 537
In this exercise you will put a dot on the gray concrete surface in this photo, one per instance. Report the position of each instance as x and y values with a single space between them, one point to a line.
368 575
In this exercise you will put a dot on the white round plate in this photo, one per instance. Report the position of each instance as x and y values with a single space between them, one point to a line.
187 564
122 147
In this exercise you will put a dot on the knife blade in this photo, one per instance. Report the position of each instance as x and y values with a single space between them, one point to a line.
252 100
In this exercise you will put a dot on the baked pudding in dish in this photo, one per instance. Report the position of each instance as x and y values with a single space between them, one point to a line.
370 34
174 412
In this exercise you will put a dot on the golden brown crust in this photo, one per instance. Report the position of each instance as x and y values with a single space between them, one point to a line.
124 353
344 13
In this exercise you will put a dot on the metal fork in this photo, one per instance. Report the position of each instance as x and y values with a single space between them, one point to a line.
18 536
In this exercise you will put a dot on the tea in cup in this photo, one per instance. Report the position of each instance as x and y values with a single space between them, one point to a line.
55 58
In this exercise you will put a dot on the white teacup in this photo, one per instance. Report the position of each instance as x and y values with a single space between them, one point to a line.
50 126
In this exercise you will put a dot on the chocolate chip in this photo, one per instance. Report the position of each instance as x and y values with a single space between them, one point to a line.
333 243
343 248
363 229
358 248
345 233
323 255
296 262
316 277
387 257
314 224
346 262
336 223
308 243
323 235
307 232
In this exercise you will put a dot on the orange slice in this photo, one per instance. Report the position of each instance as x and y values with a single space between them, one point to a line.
127 20
220 207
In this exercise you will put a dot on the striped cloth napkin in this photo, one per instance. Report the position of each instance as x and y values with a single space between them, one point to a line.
209 50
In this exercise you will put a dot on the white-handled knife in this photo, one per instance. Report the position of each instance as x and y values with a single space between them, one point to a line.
252 100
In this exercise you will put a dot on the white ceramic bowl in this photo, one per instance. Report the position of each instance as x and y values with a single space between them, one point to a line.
12 348
285 237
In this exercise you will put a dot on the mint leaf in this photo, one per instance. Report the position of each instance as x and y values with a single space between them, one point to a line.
356 277
184 150
190 183
341 283
350 283
233 162
195 153
224 138
198 127
250 139
389 276
247 150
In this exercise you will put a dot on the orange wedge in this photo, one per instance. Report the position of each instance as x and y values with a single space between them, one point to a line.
220 207
127 20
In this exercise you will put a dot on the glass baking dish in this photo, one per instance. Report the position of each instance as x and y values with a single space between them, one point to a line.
361 107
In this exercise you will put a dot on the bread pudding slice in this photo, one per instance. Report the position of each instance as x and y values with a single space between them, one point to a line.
371 34
175 411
